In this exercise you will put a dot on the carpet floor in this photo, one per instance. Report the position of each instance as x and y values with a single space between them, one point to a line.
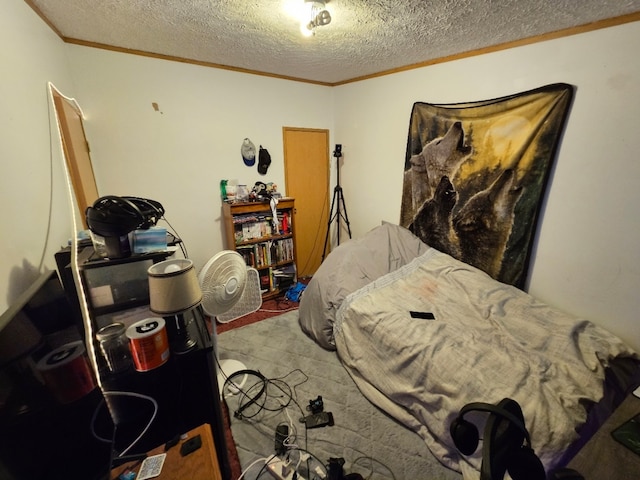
298 372
270 308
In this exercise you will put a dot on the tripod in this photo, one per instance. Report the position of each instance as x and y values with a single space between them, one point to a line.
337 203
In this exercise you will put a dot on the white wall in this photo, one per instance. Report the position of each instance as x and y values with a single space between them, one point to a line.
178 154
35 221
587 259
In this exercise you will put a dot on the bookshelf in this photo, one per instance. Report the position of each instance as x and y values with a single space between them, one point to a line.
265 245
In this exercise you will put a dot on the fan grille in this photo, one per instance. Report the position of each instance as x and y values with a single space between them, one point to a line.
222 281
250 301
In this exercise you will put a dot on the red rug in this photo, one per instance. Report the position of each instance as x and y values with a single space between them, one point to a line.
234 461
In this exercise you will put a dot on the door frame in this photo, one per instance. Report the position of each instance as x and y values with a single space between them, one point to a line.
76 152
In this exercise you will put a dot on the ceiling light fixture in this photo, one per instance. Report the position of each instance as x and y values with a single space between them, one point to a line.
315 15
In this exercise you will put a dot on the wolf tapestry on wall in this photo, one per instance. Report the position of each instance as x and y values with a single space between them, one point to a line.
475 175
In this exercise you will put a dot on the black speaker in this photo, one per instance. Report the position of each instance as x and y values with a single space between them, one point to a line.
506 443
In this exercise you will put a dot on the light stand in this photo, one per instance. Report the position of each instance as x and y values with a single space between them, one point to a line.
337 203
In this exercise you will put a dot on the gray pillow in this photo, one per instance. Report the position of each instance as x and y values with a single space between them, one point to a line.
349 267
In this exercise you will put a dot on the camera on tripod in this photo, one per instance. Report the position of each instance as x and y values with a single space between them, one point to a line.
338 208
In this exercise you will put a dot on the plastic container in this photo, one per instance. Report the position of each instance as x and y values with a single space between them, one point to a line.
153 239
242 193
114 346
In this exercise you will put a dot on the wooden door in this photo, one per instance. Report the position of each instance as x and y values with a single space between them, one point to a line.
76 152
306 166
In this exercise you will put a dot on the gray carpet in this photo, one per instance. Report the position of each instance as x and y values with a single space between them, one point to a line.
370 442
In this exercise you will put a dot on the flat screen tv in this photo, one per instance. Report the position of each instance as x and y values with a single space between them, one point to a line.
52 421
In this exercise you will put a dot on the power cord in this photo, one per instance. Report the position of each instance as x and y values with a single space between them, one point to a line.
266 463
144 430
325 207
266 401
266 460
313 466
371 466
264 397
280 310
247 394
277 395
174 232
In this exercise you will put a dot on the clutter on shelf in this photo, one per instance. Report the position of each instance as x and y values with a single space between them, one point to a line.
239 193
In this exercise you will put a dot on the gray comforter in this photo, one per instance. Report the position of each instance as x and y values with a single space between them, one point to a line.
349 267
488 341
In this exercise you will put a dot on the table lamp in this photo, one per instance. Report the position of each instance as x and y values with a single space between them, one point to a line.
173 291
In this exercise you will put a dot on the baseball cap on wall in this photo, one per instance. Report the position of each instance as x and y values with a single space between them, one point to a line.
264 160
248 151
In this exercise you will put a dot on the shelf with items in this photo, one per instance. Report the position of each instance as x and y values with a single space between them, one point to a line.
265 244
267 253
117 290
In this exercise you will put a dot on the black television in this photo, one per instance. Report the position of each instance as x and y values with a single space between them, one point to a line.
53 424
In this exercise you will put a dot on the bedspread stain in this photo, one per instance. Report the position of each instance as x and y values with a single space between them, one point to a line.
427 288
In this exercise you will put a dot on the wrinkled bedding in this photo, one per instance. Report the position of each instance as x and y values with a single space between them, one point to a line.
488 341
349 267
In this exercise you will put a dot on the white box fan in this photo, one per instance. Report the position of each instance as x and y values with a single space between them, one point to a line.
230 290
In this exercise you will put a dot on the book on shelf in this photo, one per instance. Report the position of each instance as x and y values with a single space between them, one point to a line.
252 227
265 281
285 271
270 252
248 255
284 277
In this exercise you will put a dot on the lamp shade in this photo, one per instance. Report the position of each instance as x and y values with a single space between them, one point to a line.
173 287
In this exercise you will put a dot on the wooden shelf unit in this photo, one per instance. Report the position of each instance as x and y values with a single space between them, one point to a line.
249 230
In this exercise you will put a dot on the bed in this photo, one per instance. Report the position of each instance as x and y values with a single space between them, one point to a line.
487 341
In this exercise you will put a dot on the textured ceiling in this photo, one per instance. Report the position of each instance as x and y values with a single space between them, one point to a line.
365 37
